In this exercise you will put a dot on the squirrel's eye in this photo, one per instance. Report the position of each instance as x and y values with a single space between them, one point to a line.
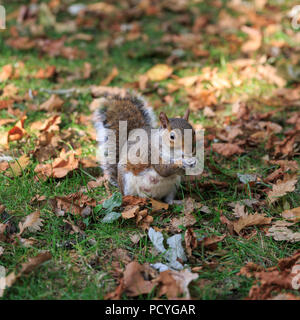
172 135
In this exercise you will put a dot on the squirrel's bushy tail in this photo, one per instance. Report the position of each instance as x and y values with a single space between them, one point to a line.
112 109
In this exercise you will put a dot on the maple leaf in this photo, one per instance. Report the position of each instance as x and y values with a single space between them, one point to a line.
281 188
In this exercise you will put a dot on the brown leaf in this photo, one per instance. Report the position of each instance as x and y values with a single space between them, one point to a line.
130 211
239 210
250 220
174 284
254 42
292 214
18 131
280 232
132 200
190 240
6 72
33 222
159 72
110 77
18 166
281 188
274 279
53 103
158 205
227 149
134 283
211 242
26 268
74 203
46 73
60 167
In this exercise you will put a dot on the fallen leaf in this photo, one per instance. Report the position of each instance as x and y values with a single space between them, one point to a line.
174 284
110 77
250 220
46 73
282 187
130 211
158 205
60 167
33 222
18 166
6 72
26 268
292 214
272 280
227 149
254 42
52 104
159 72
280 232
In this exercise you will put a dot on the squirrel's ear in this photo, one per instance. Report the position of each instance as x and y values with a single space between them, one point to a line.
164 120
186 115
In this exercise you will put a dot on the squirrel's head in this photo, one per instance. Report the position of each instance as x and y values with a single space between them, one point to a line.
178 135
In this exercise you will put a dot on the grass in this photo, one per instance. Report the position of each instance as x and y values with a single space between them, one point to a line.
82 267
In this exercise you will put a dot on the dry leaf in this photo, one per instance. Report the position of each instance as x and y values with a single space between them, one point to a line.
130 211
18 166
6 72
292 214
255 39
26 268
190 241
158 205
280 232
250 220
227 149
274 279
174 284
281 188
60 167
33 222
110 77
159 72
46 73
133 282
52 104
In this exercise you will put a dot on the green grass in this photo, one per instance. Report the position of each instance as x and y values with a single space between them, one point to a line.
81 267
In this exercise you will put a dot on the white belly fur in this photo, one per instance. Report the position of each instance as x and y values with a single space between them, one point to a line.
150 184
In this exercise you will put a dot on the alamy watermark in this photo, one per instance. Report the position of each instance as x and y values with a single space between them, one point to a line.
183 148
2 18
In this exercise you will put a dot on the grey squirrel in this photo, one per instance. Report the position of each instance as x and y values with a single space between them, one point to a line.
142 178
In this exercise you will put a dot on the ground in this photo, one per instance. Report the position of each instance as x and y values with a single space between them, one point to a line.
244 62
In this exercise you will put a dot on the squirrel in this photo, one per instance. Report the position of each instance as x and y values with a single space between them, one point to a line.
143 178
